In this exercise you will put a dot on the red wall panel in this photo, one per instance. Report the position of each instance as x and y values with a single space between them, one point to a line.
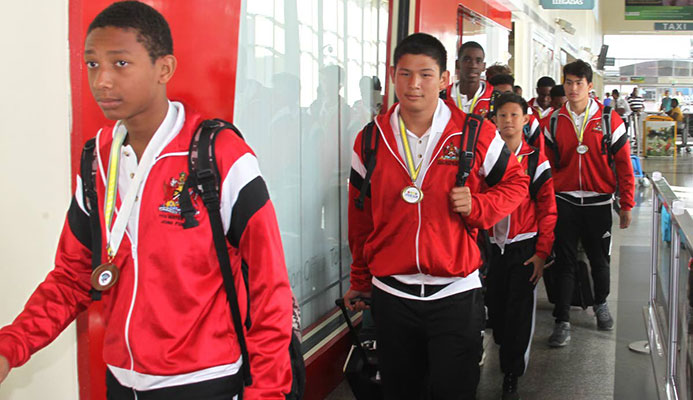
205 41
439 18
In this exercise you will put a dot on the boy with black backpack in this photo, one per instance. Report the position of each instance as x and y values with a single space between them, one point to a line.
521 243
425 178
587 146
180 243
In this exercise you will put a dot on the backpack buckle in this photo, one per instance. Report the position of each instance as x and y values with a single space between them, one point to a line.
207 186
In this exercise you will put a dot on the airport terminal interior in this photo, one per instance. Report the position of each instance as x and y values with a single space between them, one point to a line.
300 79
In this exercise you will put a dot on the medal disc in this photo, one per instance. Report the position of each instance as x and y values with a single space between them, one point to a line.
582 149
104 276
412 194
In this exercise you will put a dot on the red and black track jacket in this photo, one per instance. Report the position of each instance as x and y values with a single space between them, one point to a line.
168 314
482 106
390 237
534 216
587 179
532 103
533 133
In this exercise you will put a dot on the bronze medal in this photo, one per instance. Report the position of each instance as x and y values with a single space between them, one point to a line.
104 276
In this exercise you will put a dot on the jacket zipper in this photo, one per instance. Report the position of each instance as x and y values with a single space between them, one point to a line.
135 261
433 157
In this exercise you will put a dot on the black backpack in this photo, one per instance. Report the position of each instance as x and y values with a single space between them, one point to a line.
203 180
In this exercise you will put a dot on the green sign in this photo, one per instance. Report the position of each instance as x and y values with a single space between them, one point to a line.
673 26
567 4
670 13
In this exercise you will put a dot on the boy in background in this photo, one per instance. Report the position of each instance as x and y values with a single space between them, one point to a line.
521 243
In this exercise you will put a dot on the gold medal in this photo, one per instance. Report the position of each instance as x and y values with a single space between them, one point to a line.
412 194
582 148
104 276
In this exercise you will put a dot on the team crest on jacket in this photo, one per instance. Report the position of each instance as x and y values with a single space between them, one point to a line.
483 112
451 155
598 126
172 191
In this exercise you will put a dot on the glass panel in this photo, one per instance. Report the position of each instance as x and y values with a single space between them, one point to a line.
304 88
491 36
685 298
663 268
665 68
682 68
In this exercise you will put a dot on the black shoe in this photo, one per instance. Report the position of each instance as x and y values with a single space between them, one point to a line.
604 320
510 387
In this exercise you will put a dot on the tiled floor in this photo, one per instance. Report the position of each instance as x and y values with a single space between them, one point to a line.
596 365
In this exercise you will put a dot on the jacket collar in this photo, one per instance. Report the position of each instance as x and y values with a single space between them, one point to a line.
595 109
524 149
454 125
176 140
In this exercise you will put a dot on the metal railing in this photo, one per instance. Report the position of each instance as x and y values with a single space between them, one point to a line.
667 315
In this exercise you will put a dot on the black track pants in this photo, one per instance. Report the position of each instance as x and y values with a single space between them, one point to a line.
216 389
592 226
429 347
511 302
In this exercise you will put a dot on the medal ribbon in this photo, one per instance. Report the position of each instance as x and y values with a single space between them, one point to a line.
112 183
581 133
474 100
114 235
413 171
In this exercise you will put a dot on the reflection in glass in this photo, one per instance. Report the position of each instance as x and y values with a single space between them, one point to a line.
300 99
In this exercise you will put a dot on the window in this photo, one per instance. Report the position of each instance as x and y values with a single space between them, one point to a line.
304 89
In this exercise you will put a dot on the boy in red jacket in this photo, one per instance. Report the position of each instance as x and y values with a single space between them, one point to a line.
413 240
470 93
168 331
582 161
521 242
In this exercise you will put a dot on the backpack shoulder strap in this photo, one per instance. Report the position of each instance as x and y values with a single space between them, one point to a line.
606 128
532 164
553 122
88 170
204 179
471 129
492 103
369 149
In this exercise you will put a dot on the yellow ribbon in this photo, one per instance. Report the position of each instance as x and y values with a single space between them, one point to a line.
474 100
581 133
112 181
413 171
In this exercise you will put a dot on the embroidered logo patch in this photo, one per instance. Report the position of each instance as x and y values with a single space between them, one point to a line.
483 112
170 210
450 155
598 126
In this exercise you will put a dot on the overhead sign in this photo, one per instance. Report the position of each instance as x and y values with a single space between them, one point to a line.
610 62
673 26
567 4
658 10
